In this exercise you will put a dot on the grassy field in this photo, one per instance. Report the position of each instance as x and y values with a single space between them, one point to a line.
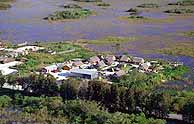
108 40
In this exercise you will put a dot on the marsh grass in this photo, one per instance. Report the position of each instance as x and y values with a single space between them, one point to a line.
142 20
103 4
148 5
4 6
69 14
183 3
109 40
180 11
186 49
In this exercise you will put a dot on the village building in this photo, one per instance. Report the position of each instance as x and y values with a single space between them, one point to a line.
94 60
101 64
124 58
145 66
77 63
120 73
67 67
138 60
84 73
110 59
4 60
49 69
6 70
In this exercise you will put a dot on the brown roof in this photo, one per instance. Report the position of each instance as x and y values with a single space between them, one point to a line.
77 63
110 59
124 58
94 59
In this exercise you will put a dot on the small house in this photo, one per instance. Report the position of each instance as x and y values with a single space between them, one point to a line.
110 59
124 58
138 60
66 67
101 64
120 73
94 60
6 60
145 66
8 71
77 63
49 69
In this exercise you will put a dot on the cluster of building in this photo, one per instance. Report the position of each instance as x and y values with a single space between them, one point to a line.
8 57
103 67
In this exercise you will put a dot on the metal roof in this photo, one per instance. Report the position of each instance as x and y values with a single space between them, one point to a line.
84 71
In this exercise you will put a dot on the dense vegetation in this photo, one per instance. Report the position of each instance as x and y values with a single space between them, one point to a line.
54 110
5 4
113 98
183 3
140 80
179 11
148 5
69 14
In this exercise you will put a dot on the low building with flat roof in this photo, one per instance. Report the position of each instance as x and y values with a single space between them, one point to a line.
84 73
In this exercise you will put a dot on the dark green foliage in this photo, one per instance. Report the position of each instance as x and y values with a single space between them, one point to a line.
179 11
42 85
140 80
5 101
44 109
69 89
188 111
148 5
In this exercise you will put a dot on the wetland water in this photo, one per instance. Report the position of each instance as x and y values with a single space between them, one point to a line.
24 22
